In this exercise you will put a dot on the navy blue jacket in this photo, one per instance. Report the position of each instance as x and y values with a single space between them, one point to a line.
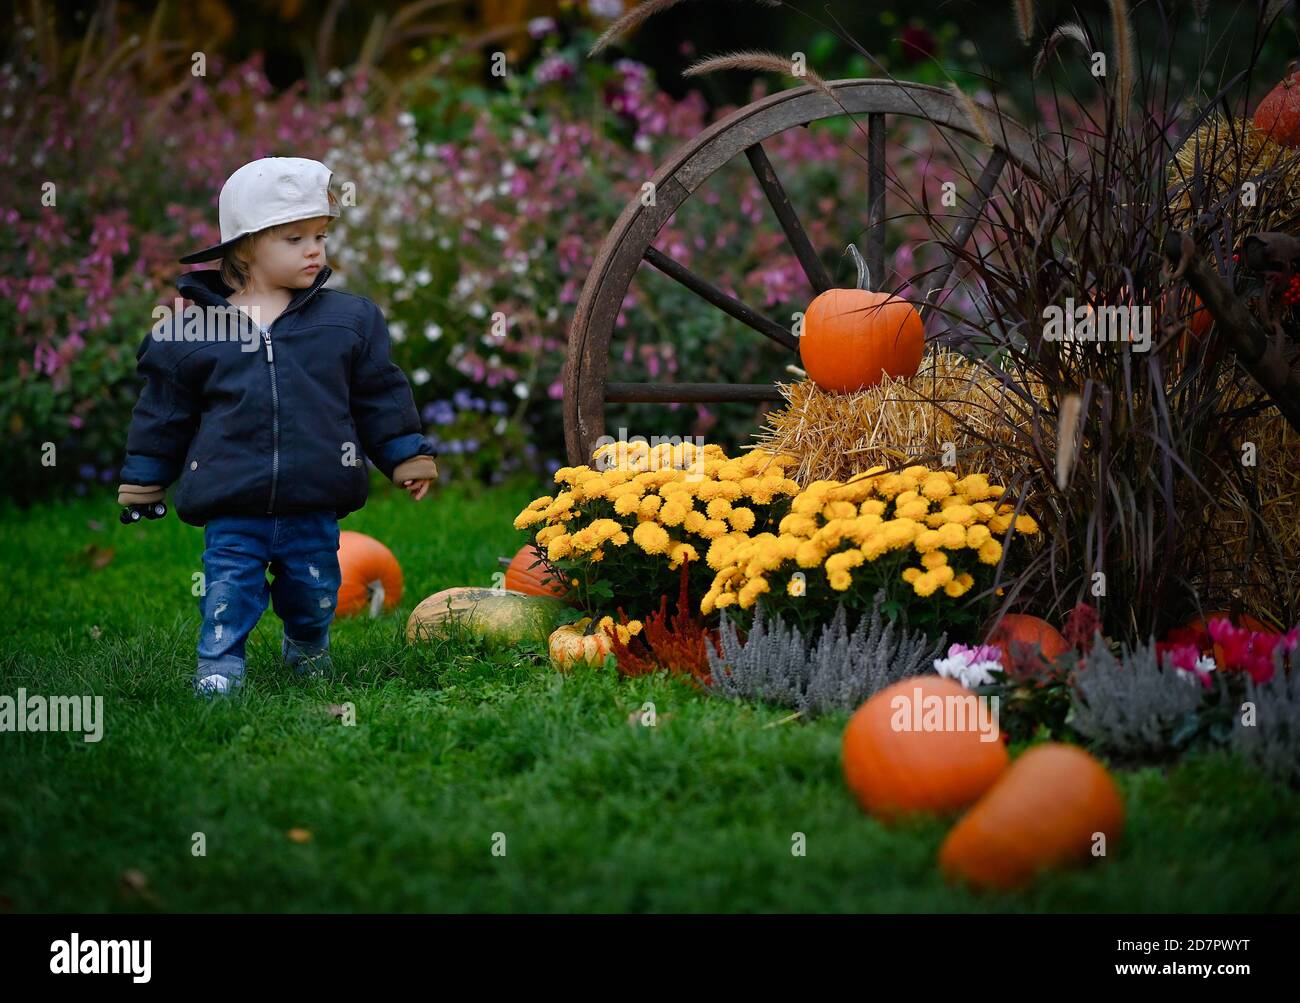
270 430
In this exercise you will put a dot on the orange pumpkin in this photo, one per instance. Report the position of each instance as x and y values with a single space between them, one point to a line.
1278 114
1044 812
852 336
1202 624
1018 633
896 761
371 576
526 574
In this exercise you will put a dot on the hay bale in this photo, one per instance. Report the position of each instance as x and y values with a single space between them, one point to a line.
1255 559
1210 167
898 421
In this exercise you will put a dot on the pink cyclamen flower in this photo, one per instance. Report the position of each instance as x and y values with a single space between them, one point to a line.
970 666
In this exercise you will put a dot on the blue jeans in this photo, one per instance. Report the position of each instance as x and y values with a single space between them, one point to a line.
302 552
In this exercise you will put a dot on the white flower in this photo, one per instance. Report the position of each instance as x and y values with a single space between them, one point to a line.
420 377
477 310
521 390
395 274
1206 663
432 332
965 666
396 332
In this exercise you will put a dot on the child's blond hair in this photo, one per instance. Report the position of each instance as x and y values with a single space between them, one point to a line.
236 263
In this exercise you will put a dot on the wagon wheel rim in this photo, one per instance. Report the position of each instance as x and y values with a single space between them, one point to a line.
587 390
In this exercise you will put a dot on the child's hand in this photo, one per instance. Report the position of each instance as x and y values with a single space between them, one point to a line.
415 475
418 489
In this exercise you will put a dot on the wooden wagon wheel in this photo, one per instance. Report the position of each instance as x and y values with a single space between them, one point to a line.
586 390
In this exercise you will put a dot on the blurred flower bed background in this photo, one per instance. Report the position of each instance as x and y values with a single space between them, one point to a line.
480 204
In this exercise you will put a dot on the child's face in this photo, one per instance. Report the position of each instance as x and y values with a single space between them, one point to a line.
291 258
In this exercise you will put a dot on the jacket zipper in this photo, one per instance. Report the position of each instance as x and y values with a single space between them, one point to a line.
275 419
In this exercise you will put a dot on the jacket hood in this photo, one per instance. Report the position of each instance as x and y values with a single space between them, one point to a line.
206 286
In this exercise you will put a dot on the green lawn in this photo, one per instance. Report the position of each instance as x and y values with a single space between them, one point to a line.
454 745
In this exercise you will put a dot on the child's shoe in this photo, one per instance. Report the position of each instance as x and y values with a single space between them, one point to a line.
215 685
308 661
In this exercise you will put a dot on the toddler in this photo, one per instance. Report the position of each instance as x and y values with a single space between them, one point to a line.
265 416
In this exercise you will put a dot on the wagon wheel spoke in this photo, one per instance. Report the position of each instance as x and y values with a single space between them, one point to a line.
690 393
961 233
876 197
724 302
812 265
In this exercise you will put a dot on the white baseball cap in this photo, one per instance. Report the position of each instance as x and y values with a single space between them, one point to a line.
268 192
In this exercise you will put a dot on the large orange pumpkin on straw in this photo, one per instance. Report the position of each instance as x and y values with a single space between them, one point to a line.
371 576
1046 811
853 336
895 764
526 574
1018 633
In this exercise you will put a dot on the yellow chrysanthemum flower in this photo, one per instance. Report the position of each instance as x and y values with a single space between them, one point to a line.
991 552
977 536
910 575
741 519
548 533
810 555
873 507
585 539
839 510
933 559
650 537
526 518
679 552
927 540
924 585
718 508
694 521
840 580
673 513
936 486
755 587
1026 524
912 510
959 586
952 535
962 514
627 504
559 547
605 529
